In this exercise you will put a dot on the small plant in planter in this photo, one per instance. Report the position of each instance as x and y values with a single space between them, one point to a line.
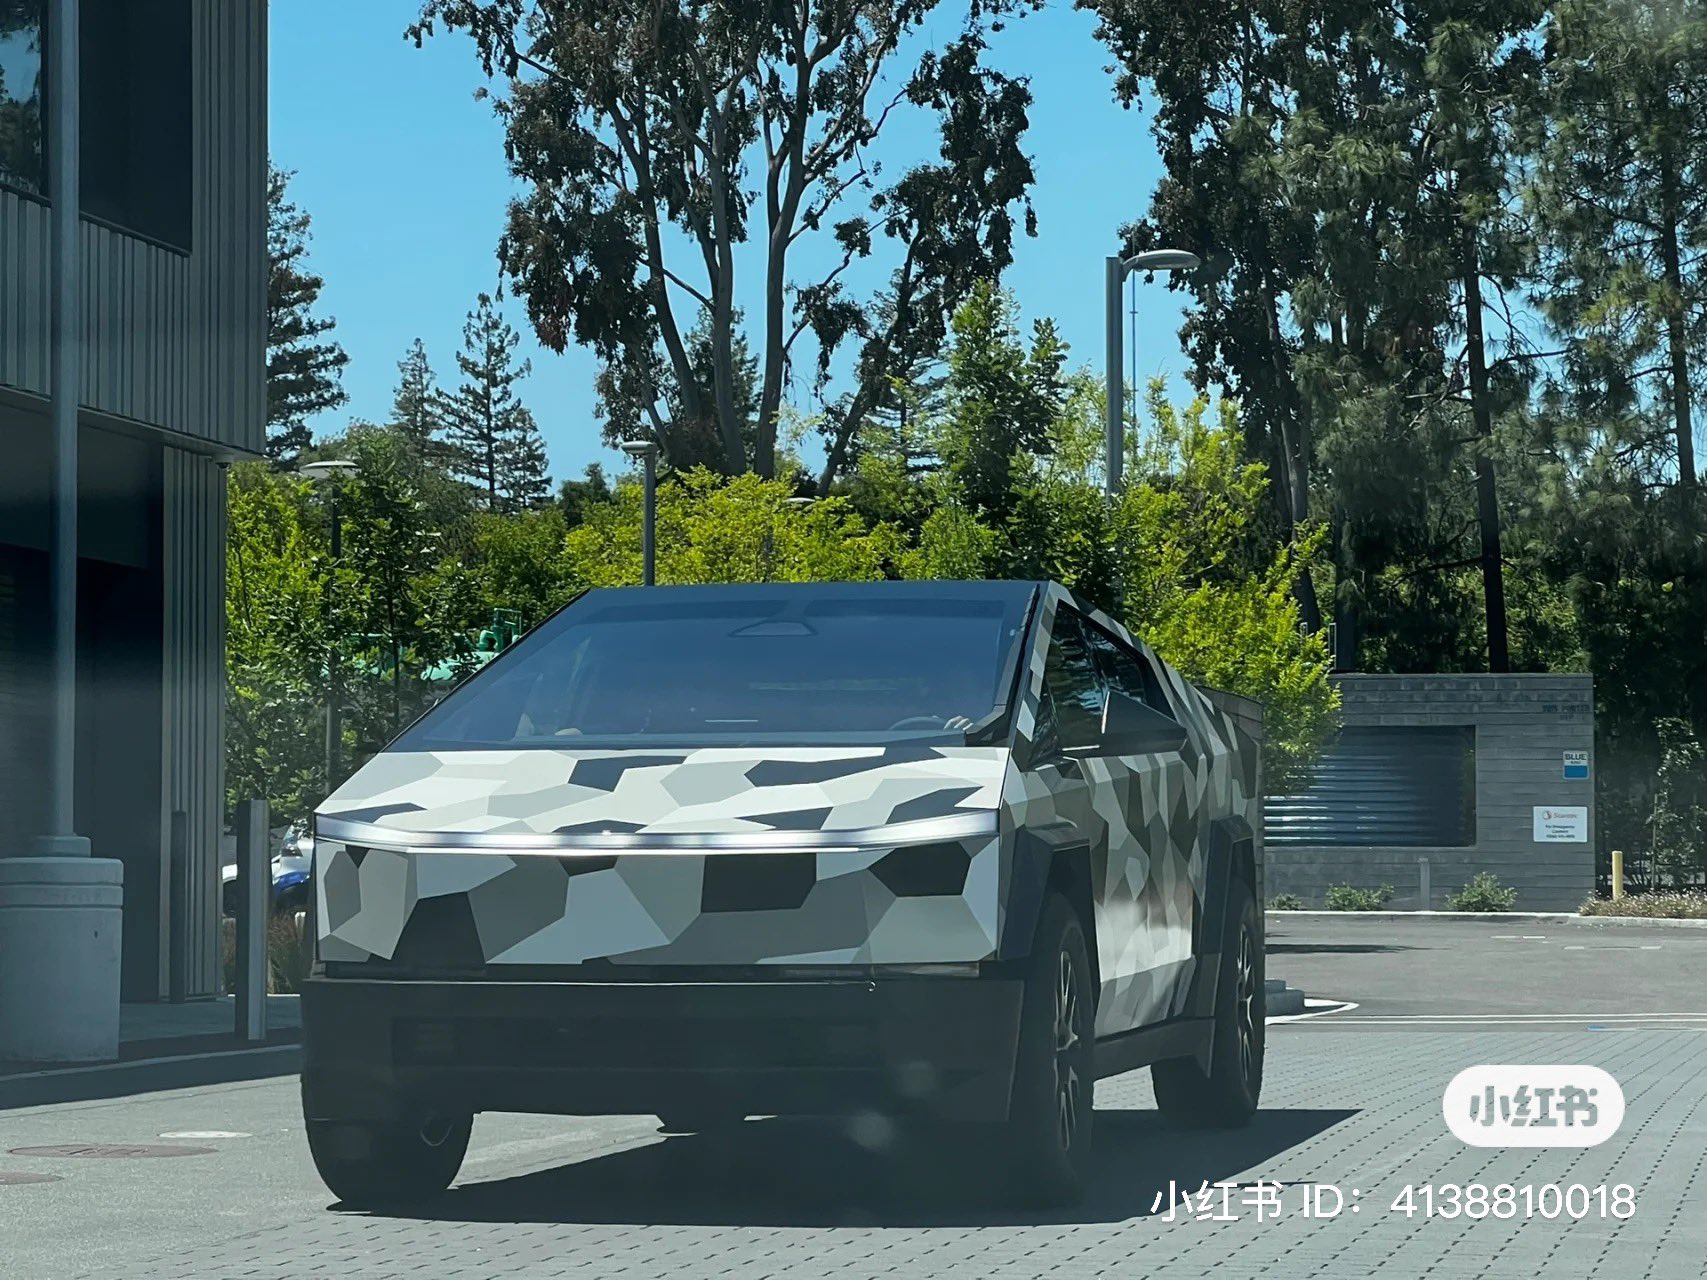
1345 897
1286 902
1483 893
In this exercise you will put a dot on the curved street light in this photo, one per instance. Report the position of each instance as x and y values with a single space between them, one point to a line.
1117 270
647 452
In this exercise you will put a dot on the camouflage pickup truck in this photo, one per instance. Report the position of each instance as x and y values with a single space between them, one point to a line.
949 851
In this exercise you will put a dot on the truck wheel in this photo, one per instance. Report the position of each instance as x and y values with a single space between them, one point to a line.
1227 1096
366 1165
1049 1116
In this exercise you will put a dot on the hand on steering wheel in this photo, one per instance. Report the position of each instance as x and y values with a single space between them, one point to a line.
931 722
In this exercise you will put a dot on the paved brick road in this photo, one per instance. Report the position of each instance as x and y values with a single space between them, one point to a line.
1355 1107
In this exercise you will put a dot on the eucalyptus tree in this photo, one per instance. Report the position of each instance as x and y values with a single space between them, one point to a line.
657 140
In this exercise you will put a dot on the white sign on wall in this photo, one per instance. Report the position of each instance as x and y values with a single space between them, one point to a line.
1561 824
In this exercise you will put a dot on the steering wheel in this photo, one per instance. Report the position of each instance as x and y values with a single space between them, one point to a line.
931 722
920 722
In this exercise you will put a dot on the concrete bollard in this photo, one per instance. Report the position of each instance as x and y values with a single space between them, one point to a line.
60 933
254 904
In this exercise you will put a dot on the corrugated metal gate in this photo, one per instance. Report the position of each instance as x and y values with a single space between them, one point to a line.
1401 786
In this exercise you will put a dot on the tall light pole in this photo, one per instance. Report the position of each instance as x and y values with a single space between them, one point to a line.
329 472
799 504
1117 271
65 332
647 452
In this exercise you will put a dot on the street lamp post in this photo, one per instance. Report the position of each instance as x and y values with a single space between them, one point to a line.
647 452
799 504
328 472
1117 269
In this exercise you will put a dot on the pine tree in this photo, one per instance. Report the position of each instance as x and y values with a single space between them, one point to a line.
1344 176
303 365
1620 198
522 479
484 421
415 409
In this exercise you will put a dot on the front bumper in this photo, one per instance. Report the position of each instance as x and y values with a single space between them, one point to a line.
383 1049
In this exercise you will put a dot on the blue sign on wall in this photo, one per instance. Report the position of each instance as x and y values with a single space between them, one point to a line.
1576 766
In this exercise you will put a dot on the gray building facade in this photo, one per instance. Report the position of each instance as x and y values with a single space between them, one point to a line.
174 276
1470 772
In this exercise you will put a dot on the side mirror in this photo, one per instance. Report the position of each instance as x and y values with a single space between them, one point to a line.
1130 728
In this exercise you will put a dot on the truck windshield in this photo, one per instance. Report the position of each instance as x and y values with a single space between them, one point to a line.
820 665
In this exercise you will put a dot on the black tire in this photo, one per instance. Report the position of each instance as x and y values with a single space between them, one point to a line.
1227 1096
369 1165
701 1119
1049 1115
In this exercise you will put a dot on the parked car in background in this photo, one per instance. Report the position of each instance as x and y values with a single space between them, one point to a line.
949 851
292 867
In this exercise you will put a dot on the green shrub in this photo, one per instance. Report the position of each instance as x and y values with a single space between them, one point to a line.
289 953
1665 904
1345 897
1483 893
1286 902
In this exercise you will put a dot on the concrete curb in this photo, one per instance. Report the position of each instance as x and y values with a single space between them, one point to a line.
148 1075
1496 917
1282 1001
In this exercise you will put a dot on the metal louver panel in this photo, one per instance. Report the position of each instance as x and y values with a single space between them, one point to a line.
1388 786
13 711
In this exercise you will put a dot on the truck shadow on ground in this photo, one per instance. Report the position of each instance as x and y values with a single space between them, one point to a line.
1333 948
811 1174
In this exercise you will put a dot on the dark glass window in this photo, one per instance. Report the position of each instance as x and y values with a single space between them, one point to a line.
136 128
1127 671
1075 689
21 26
826 665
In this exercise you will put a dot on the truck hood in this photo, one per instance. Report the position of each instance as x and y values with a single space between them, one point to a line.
574 794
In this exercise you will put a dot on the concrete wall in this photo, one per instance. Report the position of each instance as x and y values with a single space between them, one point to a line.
1523 725
174 340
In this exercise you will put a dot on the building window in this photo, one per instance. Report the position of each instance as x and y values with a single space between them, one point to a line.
20 94
1392 787
136 127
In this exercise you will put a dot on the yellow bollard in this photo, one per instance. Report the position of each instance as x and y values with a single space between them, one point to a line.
1617 874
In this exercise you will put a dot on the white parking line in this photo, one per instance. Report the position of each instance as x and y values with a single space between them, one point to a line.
1488 1020
1544 1017
1316 1009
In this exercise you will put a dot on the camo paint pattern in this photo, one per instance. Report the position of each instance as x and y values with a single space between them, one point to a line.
893 893
1147 821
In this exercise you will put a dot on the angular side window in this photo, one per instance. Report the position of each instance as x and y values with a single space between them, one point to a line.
1127 670
1070 672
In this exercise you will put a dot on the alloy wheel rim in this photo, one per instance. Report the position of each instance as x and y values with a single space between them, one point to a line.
1069 1083
1247 1006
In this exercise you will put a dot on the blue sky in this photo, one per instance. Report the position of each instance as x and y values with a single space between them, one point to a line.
403 172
